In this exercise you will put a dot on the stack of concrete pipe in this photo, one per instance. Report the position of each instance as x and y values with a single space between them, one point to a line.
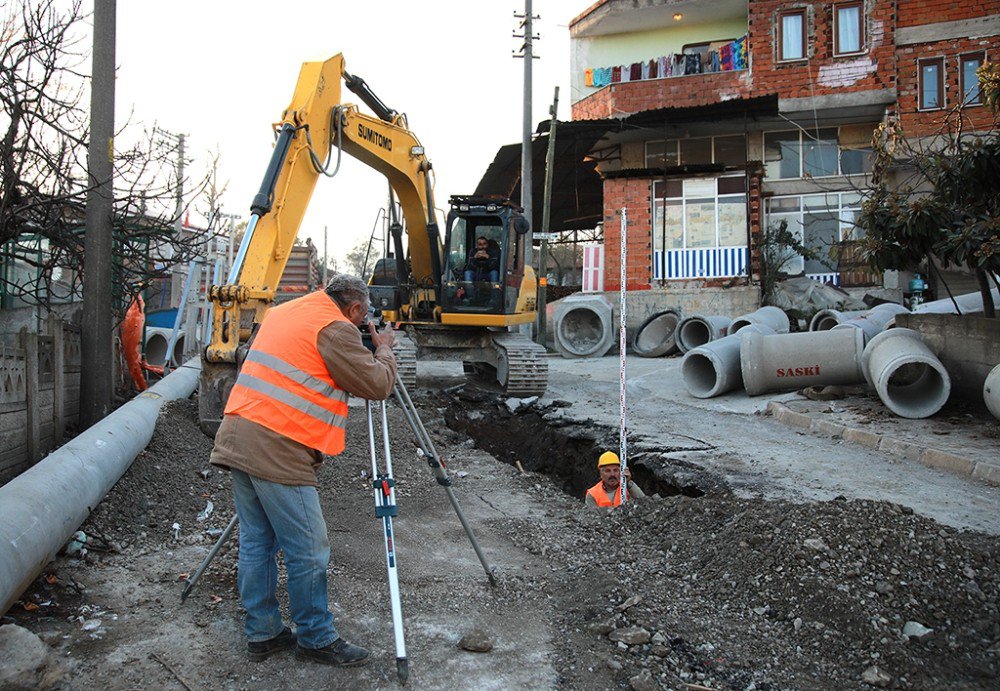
697 330
156 344
712 369
871 322
584 326
657 335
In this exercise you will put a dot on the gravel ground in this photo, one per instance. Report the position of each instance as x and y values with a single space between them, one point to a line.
678 592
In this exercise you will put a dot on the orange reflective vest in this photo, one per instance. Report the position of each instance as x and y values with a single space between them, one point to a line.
601 497
284 384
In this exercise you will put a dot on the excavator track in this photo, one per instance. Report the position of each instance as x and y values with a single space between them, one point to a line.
406 360
522 368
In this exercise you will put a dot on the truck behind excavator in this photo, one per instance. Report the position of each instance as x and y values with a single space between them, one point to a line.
451 300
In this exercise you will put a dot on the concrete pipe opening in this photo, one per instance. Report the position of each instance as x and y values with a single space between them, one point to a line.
178 354
769 315
824 320
156 349
697 330
657 336
907 376
582 332
701 375
991 391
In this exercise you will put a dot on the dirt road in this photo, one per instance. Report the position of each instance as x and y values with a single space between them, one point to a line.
680 592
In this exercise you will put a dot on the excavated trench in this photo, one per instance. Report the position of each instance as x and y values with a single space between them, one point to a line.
545 440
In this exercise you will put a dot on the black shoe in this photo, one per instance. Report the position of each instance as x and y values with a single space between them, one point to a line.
340 653
261 650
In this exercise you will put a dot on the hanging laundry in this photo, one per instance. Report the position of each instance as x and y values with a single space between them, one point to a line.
644 68
654 71
662 65
692 64
740 59
588 77
726 56
616 74
678 64
713 61
626 73
635 71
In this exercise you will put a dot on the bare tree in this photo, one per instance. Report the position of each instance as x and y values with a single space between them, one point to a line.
43 173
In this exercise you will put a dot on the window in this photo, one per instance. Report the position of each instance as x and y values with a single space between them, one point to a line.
728 151
848 28
792 35
931 84
971 95
821 222
699 213
815 153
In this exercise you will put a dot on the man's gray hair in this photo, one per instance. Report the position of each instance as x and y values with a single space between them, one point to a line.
346 289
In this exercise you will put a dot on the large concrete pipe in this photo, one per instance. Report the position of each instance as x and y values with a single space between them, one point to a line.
770 316
157 341
792 361
714 368
970 303
824 320
697 330
874 321
584 326
905 374
991 391
43 506
657 335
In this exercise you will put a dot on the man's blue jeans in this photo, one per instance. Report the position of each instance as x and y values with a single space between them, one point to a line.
274 516
491 276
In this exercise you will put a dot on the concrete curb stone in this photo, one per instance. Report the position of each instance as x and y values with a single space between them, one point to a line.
933 458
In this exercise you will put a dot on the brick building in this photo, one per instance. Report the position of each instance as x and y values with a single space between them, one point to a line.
724 116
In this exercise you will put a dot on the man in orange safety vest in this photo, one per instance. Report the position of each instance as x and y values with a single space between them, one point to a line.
607 492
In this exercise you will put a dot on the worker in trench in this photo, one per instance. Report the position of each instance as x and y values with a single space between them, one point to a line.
287 408
607 492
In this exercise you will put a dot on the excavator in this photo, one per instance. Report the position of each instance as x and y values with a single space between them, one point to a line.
460 298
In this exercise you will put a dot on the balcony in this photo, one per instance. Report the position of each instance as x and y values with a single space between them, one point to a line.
623 58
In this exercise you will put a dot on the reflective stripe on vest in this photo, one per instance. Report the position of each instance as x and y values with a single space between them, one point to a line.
284 385
601 497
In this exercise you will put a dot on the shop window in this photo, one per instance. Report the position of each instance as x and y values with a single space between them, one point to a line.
931 84
821 222
848 28
699 213
792 35
971 96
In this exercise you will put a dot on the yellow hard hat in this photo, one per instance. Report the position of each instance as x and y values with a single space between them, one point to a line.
608 458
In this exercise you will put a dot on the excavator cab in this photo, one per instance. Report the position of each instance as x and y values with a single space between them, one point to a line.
484 263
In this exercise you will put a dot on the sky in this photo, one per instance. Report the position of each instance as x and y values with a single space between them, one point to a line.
222 71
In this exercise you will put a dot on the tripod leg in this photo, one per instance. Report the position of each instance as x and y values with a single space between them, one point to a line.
426 445
190 582
385 508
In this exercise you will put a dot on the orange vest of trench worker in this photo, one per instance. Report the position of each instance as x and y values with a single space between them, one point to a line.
284 384
601 497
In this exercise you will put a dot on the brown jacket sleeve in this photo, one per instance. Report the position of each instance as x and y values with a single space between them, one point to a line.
351 364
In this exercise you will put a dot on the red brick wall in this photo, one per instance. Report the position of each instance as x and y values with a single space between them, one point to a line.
756 221
634 194
626 98
917 12
822 73
916 123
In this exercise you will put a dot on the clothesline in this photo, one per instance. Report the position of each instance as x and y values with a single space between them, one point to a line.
723 57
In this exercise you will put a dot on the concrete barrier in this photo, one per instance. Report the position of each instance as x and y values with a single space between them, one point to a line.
824 320
714 368
697 330
874 321
991 391
771 316
905 374
584 326
792 361
657 336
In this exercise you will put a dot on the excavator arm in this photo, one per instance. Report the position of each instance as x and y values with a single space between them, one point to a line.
315 117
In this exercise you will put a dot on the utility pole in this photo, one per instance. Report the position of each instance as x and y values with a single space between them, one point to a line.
543 255
179 204
527 20
325 256
96 387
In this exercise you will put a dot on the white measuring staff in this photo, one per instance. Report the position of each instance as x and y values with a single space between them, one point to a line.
622 432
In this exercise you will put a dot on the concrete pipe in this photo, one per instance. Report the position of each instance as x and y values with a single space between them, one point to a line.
970 303
770 316
43 506
657 336
156 346
714 368
792 361
824 320
991 391
874 321
907 376
697 330
584 326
